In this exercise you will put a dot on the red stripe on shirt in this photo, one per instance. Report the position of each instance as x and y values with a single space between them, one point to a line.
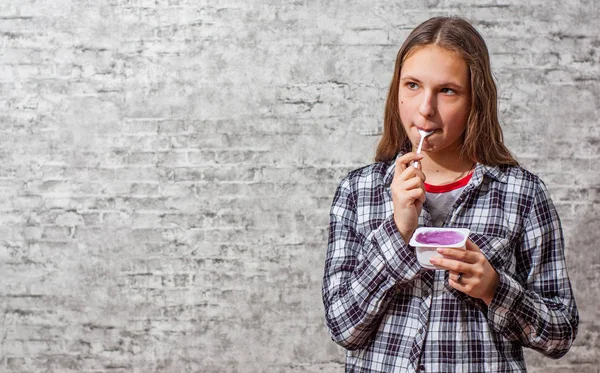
448 187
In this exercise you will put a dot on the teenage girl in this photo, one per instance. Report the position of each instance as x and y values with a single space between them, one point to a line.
509 289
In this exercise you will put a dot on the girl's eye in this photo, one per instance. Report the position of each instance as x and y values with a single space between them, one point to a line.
448 91
412 85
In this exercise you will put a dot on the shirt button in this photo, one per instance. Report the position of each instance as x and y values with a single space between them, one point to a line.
421 368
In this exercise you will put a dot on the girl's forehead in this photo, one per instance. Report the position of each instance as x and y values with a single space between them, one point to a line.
436 63
432 49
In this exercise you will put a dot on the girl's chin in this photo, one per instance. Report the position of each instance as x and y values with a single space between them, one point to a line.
427 146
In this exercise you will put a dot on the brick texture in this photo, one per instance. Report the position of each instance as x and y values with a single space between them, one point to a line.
168 166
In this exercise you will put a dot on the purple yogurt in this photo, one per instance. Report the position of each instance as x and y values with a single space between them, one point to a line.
439 238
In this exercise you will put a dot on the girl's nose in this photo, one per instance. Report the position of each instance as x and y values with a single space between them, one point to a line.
426 108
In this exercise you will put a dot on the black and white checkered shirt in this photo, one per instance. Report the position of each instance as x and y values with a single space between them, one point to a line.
392 315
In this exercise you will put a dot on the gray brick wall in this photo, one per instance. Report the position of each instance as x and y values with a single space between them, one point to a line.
168 165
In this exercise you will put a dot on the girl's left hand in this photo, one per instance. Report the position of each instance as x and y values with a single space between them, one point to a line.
478 278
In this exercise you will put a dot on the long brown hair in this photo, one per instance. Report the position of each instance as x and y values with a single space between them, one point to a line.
483 140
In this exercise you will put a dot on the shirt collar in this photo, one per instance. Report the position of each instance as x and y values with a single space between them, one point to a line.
481 171
389 172
494 172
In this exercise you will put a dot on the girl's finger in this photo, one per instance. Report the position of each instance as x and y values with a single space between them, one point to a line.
409 173
449 264
471 246
412 183
457 277
457 280
407 158
416 194
457 254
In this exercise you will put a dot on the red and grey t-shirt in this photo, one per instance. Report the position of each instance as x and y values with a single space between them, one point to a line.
441 198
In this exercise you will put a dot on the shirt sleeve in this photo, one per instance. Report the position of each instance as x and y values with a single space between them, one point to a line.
540 313
361 275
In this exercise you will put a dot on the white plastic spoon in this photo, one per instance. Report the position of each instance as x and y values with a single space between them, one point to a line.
423 134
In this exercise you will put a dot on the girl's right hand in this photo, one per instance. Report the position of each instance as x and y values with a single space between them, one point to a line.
408 194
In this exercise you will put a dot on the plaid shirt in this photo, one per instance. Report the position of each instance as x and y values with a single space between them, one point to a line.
392 315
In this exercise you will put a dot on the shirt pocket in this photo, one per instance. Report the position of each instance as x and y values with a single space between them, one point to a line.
499 251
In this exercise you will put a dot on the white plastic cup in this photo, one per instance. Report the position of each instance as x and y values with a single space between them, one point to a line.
427 240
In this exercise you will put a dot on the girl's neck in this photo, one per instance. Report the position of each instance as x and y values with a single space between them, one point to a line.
442 169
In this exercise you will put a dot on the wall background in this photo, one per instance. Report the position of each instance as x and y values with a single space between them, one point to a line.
167 168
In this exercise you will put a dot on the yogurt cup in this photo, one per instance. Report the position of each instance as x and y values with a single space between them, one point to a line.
427 240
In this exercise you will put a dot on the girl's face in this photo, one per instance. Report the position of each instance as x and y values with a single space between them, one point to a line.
434 95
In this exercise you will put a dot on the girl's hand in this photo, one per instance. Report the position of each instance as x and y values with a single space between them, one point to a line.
408 194
478 278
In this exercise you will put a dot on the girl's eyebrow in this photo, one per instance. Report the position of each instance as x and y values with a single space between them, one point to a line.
446 84
412 78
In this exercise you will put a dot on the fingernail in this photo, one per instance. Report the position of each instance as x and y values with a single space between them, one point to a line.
434 260
441 250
